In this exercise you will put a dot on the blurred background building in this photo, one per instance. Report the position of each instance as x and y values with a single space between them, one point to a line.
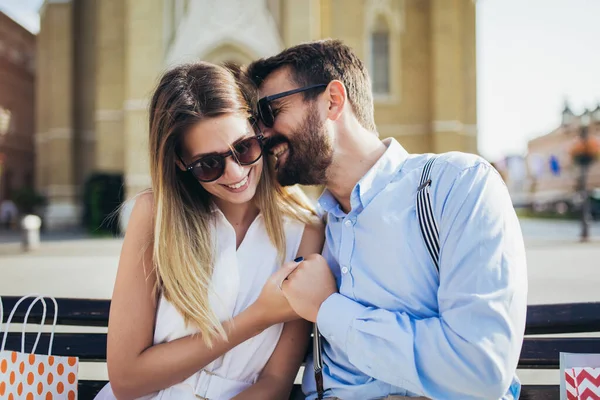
554 177
546 178
17 81
98 62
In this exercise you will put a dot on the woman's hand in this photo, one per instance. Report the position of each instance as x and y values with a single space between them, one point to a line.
271 306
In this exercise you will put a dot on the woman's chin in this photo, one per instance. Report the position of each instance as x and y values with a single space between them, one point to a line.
241 197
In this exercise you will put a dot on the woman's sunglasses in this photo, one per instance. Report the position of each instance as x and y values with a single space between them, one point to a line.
265 112
210 168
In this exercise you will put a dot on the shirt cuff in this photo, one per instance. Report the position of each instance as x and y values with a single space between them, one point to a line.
336 317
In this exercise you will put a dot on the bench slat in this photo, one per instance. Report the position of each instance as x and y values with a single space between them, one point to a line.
540 392
86 346
543 353
541 319
78 312
563 318
87 390
538 353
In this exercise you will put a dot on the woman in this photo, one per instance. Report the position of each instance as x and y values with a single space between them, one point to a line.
194 313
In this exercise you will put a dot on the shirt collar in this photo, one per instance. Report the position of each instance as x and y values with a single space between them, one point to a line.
382 173
374 181
329 205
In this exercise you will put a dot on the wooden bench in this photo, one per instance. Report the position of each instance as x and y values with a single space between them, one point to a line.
537 353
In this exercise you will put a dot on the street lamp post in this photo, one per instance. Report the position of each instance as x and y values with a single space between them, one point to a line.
584 152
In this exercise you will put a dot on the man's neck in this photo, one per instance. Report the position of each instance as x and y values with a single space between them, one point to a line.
356 153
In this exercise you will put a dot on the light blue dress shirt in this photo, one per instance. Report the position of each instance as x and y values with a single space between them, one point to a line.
396 326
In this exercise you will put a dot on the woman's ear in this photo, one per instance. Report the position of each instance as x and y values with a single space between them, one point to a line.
179 162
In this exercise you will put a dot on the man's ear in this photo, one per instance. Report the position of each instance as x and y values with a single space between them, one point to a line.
337 99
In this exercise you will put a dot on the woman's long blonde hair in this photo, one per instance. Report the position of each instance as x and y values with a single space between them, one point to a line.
183 248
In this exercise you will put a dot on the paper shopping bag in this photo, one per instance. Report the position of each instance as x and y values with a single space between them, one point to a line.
580 376
582 383
35 376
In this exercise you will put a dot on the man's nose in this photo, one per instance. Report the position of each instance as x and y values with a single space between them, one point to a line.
265 130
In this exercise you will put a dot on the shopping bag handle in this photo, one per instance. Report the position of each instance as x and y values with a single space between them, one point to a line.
43 322
10 317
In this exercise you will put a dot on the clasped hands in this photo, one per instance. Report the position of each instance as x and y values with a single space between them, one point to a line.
298 289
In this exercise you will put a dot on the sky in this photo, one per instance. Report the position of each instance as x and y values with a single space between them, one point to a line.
25 12
532 55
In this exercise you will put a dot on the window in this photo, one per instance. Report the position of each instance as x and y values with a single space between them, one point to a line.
5 121
384 25
380 61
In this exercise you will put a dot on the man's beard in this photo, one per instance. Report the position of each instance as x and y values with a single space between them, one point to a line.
309 153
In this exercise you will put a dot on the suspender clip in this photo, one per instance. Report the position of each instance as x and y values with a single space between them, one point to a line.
424 185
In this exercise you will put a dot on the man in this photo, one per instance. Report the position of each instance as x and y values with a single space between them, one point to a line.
8 213
391 323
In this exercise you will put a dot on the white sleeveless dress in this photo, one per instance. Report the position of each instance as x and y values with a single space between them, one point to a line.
238 278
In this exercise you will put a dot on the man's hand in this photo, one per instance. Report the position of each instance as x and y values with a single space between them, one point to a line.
271 305
308 285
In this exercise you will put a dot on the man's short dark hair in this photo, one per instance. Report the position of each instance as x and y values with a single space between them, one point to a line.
321 62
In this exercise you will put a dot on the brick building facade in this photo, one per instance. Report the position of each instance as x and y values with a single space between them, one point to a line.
17 117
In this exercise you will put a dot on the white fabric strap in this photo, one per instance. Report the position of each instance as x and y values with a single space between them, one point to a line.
429 228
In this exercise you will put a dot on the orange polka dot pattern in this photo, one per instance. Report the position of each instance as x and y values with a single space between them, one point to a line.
32 377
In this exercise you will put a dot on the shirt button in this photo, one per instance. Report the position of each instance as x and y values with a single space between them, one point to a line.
344 270
348 223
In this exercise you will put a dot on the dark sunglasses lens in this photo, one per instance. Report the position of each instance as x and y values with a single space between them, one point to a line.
266 114
248 151
209 168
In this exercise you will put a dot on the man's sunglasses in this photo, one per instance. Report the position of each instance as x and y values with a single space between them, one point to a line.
265 112
212 167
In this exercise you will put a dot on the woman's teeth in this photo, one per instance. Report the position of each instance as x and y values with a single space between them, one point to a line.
239 184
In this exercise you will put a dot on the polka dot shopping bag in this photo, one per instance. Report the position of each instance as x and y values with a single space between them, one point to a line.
32 376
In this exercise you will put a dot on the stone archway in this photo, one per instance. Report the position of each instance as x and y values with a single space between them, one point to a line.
228 52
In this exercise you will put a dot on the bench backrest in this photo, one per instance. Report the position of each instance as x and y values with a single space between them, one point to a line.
537 352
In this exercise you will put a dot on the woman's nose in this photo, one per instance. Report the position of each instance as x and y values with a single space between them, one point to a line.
234 172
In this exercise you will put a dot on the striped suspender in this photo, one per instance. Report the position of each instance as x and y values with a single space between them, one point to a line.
429 230
318 361
318 353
